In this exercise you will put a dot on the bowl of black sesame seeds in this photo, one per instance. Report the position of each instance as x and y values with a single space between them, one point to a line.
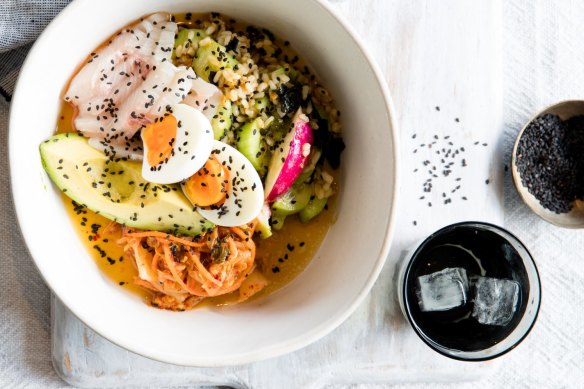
547 164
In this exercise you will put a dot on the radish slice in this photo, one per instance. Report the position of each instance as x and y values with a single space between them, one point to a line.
290 157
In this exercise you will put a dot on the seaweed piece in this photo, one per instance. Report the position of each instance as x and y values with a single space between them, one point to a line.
232 45
290 97
331 145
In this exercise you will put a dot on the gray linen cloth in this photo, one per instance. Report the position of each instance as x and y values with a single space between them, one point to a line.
24 298
21 21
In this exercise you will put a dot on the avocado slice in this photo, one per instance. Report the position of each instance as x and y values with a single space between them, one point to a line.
115 189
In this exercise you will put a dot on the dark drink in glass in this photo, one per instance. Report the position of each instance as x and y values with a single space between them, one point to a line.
471 291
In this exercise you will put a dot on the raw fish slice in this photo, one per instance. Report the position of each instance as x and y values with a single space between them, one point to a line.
144 108
130 114
112 77
119 61
98 95
135 111
130 82
165 45
158 42
205 97
176 92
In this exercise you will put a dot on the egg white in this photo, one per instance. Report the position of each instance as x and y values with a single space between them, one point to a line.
245 196
192 147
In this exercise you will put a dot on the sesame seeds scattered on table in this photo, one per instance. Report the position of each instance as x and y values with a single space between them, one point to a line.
441 163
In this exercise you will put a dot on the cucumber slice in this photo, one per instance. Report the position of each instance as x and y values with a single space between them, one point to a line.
293 201
277 221
250 144
263 226
222 121
187 37
312 209
286 70
211 58
262 104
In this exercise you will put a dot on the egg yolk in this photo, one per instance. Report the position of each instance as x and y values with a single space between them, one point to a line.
209 185
159 138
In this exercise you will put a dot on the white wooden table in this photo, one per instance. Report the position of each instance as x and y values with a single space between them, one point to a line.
442 60
543 58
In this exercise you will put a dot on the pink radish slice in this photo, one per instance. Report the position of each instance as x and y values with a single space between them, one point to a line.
289 158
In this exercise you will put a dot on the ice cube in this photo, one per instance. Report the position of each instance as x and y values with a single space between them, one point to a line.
495 301
443 290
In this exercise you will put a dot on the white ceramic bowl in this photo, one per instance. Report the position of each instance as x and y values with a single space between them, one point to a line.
322 297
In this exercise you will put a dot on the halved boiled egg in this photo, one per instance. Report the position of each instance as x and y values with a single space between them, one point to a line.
176 146
228 190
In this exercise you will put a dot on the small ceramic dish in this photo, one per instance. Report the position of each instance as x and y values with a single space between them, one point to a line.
573 219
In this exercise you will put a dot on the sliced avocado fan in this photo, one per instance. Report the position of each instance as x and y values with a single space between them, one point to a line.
115 189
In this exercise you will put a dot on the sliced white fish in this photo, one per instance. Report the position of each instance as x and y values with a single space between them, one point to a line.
176 92
135 61
205 97
130 82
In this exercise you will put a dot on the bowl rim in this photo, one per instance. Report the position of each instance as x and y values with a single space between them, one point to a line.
281 348
406 307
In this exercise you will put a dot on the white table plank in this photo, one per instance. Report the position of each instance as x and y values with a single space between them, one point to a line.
434 53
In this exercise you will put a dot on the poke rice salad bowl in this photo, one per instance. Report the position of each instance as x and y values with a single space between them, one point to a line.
319 299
